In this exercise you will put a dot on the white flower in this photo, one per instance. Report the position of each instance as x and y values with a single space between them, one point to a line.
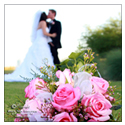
82 80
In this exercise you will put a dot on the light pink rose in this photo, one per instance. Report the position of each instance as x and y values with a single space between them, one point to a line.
33 86
31 108
65 117
37 111
64 77
39 117
100 84
66 97
97 107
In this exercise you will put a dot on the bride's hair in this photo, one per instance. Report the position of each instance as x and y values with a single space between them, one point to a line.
43 17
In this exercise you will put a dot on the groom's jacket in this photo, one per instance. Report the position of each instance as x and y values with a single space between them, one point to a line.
56 28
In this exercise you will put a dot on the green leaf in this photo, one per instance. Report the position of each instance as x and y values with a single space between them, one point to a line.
74 55
79 65
116 107
65 62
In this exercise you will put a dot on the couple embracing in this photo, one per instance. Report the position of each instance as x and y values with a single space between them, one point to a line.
45 39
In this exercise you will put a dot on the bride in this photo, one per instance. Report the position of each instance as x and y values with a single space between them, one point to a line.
39 51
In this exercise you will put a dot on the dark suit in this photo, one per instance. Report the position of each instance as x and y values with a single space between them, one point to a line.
56 28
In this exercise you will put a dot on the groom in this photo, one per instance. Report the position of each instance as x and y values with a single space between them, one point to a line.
55 27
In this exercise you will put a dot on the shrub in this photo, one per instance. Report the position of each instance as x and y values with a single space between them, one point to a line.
113 65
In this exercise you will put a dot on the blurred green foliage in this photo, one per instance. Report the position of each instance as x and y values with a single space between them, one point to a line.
110 66
104 38
106 42
114 64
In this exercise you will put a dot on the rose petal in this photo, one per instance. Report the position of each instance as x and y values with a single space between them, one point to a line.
102 118
68 75
61 77
105 112
92 120
74 119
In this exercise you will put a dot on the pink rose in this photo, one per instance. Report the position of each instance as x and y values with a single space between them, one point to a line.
33 86
20 117
97 107
100 85
65 117
66 97
110 98
91 120
64 77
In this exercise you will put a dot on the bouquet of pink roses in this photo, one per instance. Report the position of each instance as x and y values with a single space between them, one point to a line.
83 98
73 97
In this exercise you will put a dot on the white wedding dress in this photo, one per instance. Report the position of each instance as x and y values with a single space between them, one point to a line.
38 51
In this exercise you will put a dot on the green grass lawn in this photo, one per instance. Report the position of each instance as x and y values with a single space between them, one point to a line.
14 95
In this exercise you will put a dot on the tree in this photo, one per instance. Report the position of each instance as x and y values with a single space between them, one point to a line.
104 38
